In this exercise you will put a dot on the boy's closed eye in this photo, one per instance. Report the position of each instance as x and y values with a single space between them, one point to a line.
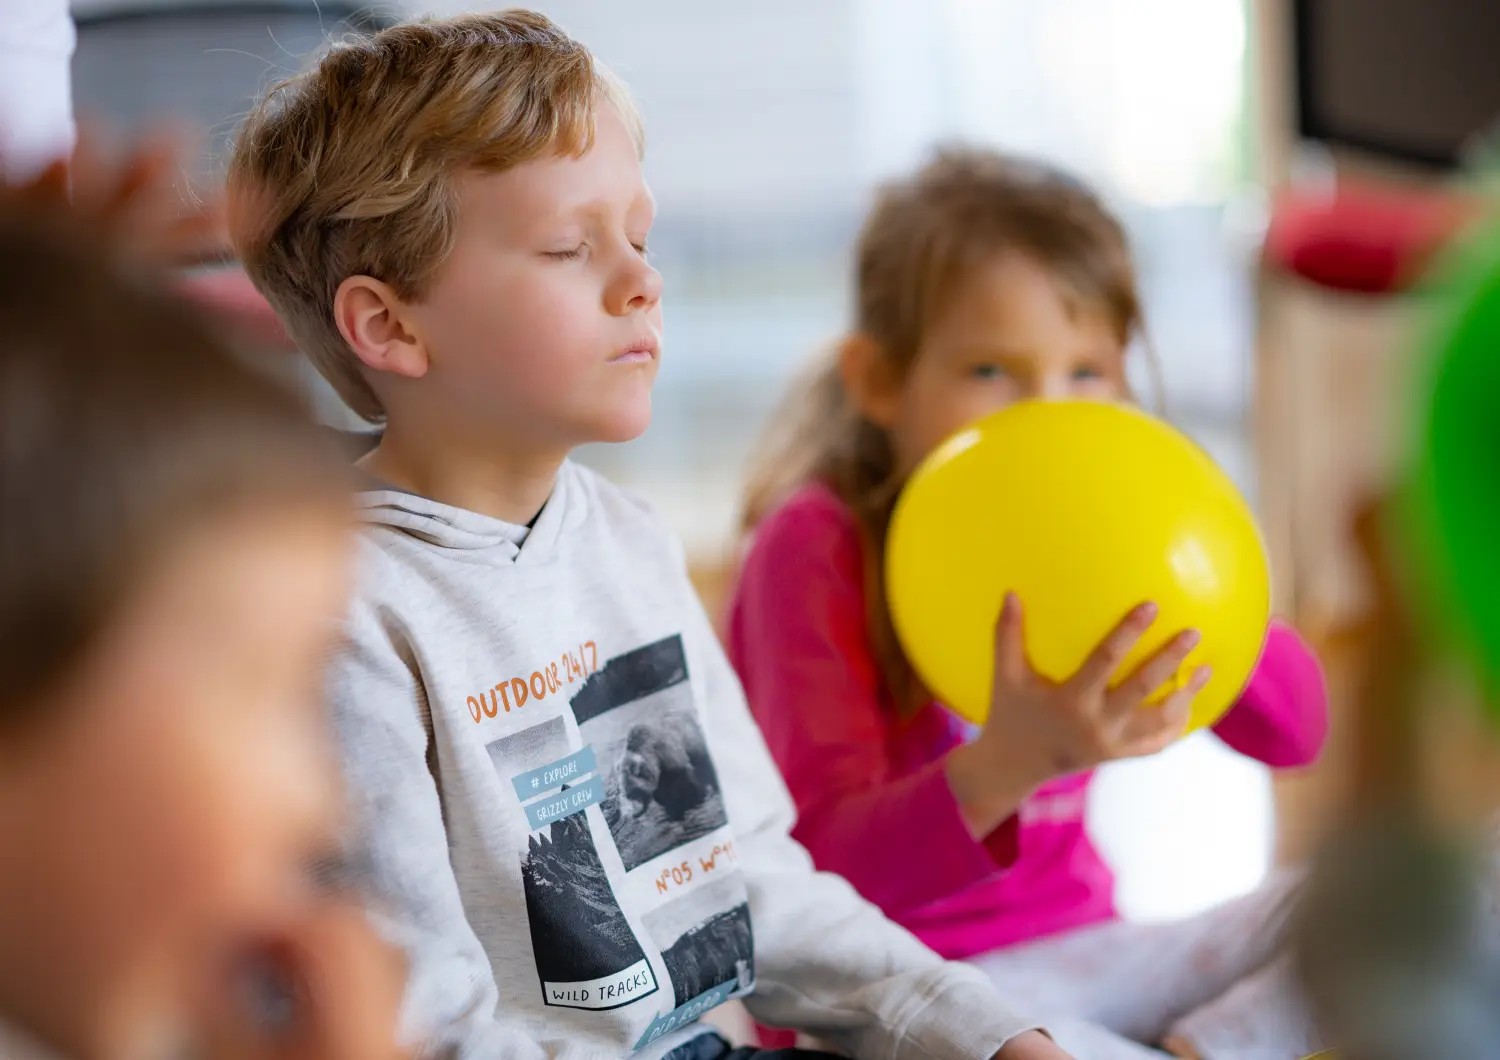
574 252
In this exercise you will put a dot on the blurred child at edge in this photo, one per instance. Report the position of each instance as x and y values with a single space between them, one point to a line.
172 573
982 280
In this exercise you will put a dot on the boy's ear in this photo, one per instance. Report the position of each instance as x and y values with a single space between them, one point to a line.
373 322
869 379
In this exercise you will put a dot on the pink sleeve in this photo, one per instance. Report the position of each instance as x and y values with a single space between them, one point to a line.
797 637
1281 718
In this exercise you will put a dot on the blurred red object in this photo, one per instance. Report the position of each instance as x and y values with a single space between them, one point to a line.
229 294
1362 239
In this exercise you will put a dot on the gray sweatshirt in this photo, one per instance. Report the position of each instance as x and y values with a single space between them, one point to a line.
572 822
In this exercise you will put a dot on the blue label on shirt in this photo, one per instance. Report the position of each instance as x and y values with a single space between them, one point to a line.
543 812
688 1013
554 775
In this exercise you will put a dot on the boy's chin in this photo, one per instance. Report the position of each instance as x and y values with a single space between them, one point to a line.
621 425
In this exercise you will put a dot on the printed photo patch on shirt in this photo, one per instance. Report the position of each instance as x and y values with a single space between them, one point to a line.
660 789
664 808
705 940
587 956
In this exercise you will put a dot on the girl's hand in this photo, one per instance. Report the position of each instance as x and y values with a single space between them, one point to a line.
1039 729
331 991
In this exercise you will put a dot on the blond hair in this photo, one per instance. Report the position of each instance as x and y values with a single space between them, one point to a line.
349 169
924 237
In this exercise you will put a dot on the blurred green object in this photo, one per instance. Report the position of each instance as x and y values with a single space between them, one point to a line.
1458 468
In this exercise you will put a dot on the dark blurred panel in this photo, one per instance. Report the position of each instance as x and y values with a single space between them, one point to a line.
199 63
1416 80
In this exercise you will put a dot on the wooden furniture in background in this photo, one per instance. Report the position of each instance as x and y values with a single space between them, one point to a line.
1337 373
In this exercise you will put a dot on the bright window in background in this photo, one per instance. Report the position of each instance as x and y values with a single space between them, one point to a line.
1144 96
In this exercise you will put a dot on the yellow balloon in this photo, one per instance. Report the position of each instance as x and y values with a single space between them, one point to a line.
1084 510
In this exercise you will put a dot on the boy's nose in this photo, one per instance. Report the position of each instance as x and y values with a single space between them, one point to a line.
651 292
637 287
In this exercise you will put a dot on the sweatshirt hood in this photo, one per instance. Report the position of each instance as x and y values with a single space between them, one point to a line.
461 530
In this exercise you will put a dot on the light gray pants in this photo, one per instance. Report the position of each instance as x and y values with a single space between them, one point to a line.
1217 981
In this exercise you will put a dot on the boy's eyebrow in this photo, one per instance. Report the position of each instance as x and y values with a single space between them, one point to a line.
601 207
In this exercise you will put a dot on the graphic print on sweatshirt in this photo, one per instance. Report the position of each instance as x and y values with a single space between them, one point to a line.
660 787
664 806
642 788
587 956
705 940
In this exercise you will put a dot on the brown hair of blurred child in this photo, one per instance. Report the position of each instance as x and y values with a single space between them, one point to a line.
172 572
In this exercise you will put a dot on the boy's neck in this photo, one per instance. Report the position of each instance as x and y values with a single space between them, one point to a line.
510 487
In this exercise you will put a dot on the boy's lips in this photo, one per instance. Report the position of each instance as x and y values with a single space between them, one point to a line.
639 353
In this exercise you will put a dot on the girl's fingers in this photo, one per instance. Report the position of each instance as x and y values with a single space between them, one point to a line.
1152 729
1097 670
1011 667
1153 673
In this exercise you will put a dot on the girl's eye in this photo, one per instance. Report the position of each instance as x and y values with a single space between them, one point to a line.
1086 374
988 371
566 255
641 249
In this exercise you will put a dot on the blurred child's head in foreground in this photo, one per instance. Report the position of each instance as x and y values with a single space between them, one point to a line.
172 574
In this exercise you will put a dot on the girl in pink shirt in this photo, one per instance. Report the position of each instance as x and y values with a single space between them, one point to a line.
983 280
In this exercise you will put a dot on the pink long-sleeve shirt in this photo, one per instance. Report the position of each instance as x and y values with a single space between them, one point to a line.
871 790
